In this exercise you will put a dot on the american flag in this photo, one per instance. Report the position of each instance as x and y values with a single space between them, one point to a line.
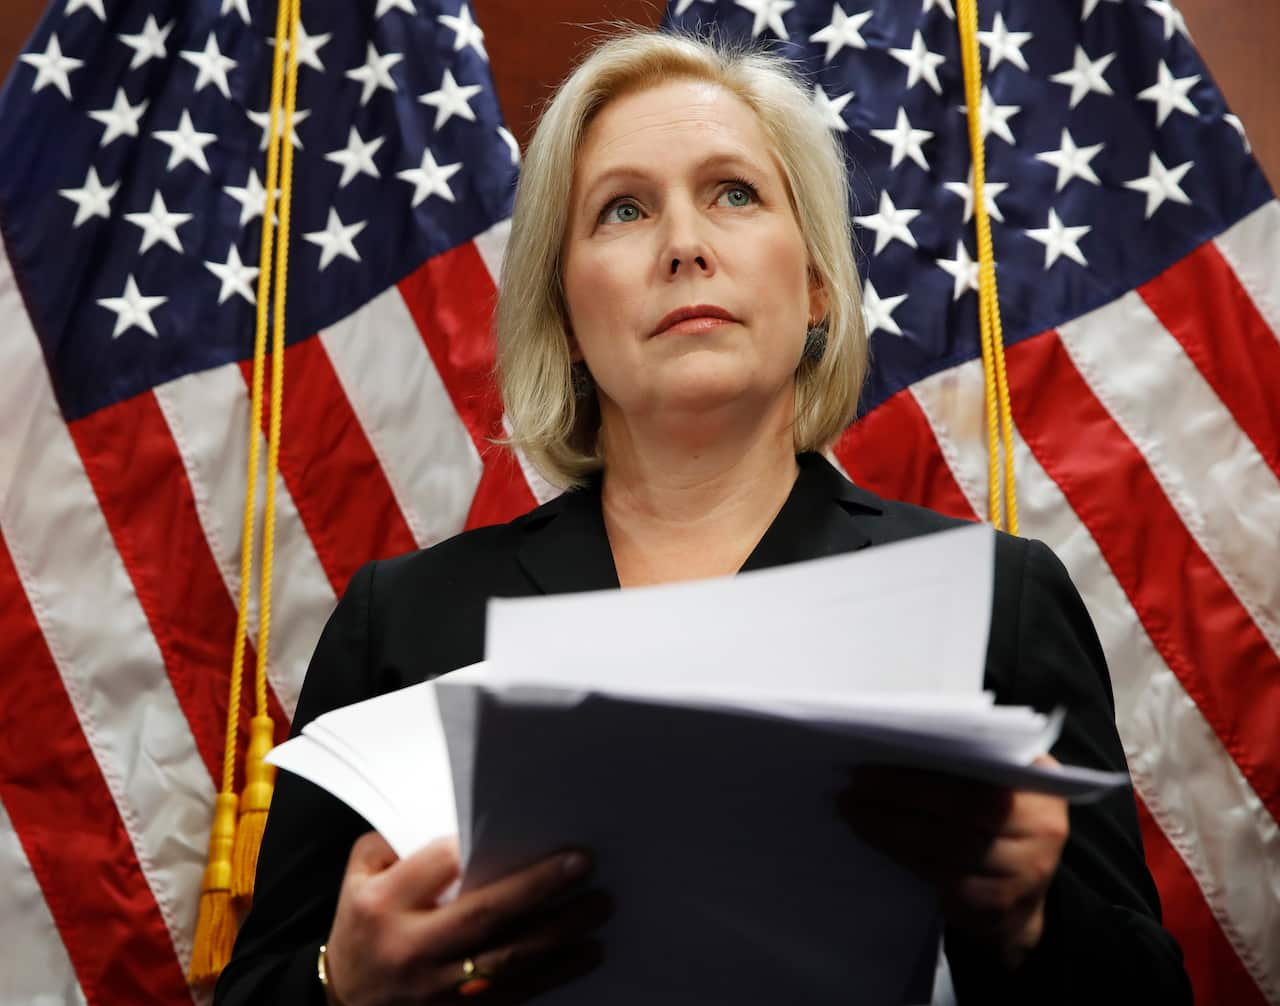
132 138
1142 354
1137 246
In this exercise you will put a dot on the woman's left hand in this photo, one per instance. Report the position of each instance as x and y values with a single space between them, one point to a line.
989 852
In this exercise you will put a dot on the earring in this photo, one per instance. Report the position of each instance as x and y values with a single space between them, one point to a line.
584 384
815 342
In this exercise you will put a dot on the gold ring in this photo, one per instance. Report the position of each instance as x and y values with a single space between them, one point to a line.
474 982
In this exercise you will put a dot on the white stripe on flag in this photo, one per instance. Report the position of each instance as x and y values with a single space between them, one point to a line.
392 385
110 665
1188 781
208 416
39 971
1218 483
492 246
1252 249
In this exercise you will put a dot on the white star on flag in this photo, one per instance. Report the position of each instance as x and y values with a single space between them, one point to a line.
158 224
890 223
263 121
768 14
132 308
92 5
1234 122
1170 92
843 30
1058 240
375 73
452 99
251 196
121 119
944 5
831 109
921 64
990 193
878 310
52 67
211 66
1072 161
386 6
1091 5
1161 184
241 7
185 144
993 118
149 43
466 31
357 157
511 143
1004 44
430 178
93 199
336 239
1171 17
962 269
235 277
309 47
1085 76
905 141
684 5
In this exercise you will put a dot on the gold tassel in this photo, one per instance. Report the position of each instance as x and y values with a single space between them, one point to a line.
254 802
216 923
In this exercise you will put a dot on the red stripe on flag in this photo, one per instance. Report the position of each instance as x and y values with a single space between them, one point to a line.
1201 303
69 827
451 298
142 487
1190 613
1217 975
892 451
327 463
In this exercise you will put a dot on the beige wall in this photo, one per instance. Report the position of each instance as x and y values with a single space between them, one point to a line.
1239 39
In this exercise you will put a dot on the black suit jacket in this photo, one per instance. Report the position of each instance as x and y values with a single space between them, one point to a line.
417 616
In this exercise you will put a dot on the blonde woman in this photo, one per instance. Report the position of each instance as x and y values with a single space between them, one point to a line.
680 336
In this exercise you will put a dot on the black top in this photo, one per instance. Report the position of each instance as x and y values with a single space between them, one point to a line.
420 615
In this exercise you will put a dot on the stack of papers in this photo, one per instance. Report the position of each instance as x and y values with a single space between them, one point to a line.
694 737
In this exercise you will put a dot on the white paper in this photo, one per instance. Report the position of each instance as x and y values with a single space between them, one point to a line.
911 616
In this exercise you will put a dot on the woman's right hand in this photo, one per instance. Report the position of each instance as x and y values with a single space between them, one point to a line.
392 943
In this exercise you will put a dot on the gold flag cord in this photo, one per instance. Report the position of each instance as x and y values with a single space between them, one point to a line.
233 847
1003 496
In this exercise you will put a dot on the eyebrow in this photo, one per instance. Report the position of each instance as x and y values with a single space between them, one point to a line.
628 173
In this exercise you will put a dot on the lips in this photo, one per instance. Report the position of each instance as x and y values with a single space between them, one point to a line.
694 311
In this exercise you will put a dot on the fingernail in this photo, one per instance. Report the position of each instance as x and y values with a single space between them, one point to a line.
575 864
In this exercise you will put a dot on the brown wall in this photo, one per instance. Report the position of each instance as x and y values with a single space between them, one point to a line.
532 49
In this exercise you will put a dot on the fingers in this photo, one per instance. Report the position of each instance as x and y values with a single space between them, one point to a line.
545 951
476 917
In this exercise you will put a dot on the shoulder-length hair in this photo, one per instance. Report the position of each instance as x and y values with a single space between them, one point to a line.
557 430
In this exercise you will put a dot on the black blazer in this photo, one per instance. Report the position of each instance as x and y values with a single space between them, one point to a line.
420 615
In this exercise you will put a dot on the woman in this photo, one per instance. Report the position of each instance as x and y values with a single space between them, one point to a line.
679 333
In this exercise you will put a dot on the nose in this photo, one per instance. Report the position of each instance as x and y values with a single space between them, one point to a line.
686 250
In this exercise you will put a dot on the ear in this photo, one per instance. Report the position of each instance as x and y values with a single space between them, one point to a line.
575 351
818 301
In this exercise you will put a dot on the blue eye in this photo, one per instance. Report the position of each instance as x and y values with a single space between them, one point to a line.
739 193
621 212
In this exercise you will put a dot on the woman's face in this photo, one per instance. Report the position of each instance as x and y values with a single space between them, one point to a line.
677 202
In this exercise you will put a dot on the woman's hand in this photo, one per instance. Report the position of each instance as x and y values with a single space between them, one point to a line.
989 852
392 943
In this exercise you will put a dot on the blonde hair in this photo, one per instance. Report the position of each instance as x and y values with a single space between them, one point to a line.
547 421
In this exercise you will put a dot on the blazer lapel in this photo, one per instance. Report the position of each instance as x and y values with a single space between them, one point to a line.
824 515
566 547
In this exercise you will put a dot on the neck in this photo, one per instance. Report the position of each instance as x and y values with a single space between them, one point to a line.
691 503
